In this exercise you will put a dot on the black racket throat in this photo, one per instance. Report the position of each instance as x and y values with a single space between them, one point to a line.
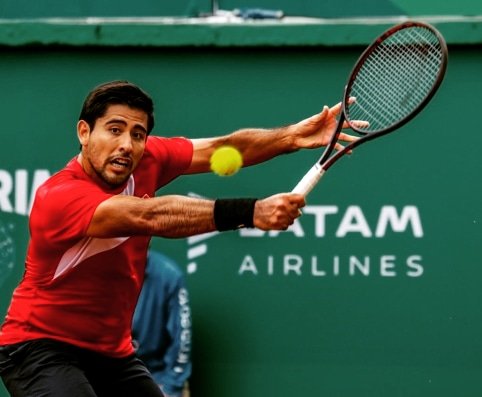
334 139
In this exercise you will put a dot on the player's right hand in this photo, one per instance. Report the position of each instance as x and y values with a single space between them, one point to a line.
278 212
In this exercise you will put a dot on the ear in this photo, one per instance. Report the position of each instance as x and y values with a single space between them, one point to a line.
83 132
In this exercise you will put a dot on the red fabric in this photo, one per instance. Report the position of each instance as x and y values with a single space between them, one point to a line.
83 290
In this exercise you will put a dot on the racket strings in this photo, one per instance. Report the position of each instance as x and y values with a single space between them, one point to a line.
396 78
391 78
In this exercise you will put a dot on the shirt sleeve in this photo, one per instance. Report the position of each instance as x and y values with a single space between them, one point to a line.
63 212
162 324
177 358
172 157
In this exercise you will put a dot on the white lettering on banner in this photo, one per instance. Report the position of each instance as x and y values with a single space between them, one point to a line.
353 221
400 223
6 187
14 190
297 265
320 220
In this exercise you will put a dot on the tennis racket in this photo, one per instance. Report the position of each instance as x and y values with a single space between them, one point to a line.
392 81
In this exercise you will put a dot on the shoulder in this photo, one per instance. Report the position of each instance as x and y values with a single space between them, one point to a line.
166 158
167 145
64 205
68 177
69 185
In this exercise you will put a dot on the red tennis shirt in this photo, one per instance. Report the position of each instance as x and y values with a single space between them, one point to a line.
78 289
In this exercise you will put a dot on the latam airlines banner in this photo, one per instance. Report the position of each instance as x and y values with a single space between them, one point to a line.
17 190
352 221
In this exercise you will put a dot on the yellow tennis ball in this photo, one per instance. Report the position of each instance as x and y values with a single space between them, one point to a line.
226 160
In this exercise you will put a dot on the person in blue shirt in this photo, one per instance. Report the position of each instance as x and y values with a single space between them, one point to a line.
161 328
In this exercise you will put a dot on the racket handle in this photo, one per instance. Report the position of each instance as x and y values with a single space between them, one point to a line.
308 182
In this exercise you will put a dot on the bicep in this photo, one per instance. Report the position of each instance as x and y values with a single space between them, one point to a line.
118 216
202 150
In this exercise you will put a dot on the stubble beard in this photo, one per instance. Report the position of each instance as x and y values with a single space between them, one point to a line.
112 180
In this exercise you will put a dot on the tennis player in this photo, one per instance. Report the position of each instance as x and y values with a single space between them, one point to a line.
67 331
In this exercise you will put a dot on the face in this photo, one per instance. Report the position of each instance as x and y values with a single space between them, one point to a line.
114 147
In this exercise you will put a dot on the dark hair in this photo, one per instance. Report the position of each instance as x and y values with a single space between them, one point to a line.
119 92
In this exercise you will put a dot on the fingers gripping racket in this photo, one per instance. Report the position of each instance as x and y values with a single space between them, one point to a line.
392 81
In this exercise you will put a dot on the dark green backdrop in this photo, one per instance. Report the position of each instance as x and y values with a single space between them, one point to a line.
311 8
319 310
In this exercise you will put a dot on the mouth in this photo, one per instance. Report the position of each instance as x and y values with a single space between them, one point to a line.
121 163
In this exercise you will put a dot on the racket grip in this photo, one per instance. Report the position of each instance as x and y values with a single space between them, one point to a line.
308 182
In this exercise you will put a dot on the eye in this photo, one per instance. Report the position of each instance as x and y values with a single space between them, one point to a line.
139 135
115 130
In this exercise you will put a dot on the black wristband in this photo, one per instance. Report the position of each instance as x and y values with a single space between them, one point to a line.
231 214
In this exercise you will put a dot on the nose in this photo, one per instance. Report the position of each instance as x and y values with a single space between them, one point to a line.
125 144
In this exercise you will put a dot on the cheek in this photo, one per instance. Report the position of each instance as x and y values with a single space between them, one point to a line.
138 152
95 153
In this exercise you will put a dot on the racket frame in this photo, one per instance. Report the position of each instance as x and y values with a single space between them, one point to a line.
311 178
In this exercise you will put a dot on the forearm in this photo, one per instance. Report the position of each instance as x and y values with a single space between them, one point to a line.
256 146
167 216
259 145
180 216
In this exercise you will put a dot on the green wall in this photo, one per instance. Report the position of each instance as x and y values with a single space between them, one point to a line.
341 305
311 8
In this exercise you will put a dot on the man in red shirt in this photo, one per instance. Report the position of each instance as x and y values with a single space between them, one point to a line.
68 328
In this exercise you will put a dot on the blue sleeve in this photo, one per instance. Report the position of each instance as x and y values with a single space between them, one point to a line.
162 324
177 358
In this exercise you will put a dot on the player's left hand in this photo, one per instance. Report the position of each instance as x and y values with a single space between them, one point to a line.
317 130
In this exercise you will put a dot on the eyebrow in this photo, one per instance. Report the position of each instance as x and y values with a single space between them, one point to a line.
123 122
